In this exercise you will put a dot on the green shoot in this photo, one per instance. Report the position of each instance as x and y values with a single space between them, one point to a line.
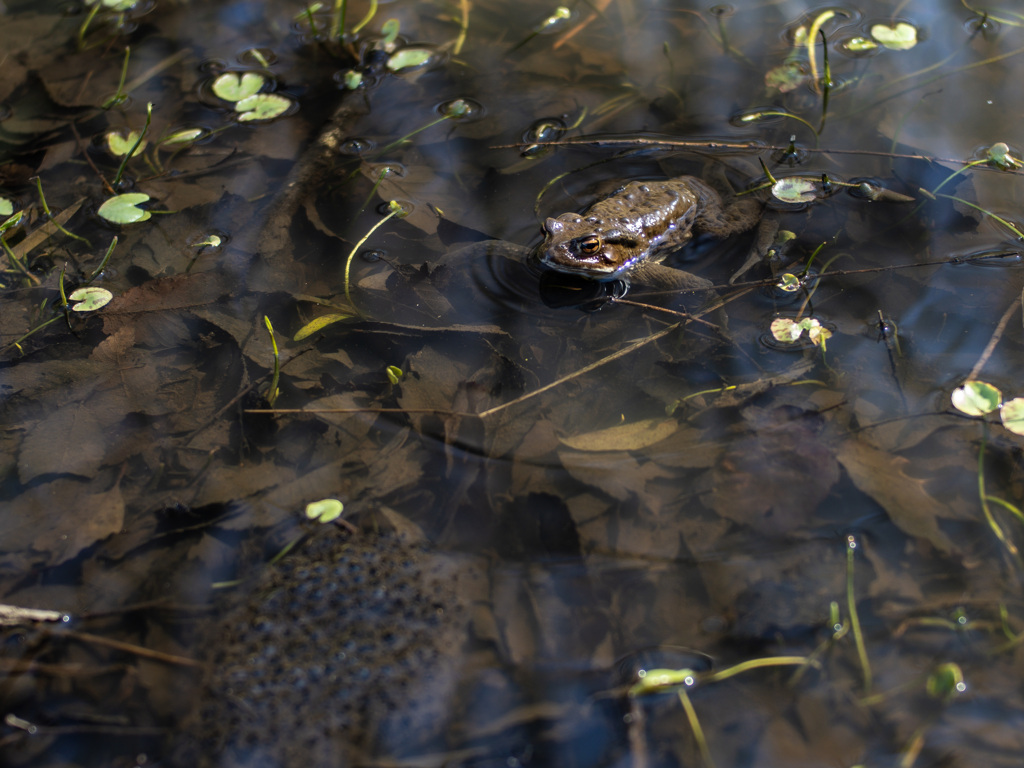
274 390
119 96
394 209
453 110
851 606
110 249
698 732
812 38
338 19
53 219
85 25
138 141
367 18
1004 222
13 222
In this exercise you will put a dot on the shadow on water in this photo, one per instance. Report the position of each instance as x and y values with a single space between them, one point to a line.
339 471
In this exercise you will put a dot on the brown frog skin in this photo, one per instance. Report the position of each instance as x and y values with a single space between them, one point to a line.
626 235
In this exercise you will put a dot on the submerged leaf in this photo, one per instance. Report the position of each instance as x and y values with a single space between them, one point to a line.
318 324
976 398
628 437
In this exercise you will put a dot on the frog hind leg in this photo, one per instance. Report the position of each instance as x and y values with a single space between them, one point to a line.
653 275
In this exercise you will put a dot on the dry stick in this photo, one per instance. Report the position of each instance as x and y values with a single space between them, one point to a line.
585 369
138 650
996 336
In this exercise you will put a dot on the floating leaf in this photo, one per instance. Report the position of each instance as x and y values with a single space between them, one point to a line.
120 145
786 329
325 510
318 324
231 86
122 208
184 136
262 106
901 37
353 79
976 398
789 283
999 155
89 298
409 58
796 189
859 45
627 437
6 206
1012 414
946 681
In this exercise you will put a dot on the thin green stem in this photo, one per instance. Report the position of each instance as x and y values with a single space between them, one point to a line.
17 262
338 28
275 380
1001 220
395 210
851 606
698 732
119 96
106 258
138 141
984 497
52 219
367 18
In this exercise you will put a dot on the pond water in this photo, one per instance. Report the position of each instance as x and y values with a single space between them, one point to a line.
585 523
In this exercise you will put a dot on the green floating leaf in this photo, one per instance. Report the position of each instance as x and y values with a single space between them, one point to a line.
789 283
318 325
900 37
262 106
325 510
122 208
184 136
796 189
1012 414
999 155
353 79
946 682
120 145
6 206
89 298
409 58
786 329
859 45
231 86
976 398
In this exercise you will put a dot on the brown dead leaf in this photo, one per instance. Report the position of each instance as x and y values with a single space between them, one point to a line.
626 437
881 476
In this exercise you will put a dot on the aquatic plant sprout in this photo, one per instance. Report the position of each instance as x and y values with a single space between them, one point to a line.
90 298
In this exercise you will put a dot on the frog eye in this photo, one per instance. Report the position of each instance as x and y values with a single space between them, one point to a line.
590 245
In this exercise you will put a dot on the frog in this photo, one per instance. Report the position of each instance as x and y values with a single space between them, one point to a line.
627 234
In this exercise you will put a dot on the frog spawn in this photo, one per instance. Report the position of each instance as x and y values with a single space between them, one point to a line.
344 649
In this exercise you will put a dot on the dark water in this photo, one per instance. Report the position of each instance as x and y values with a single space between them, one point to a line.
605 487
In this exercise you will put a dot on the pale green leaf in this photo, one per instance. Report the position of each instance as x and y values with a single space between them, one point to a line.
976 398
122 208
90 298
